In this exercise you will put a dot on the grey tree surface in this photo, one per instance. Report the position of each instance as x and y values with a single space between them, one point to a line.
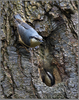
57 22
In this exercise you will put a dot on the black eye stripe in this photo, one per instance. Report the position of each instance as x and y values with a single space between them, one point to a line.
35 38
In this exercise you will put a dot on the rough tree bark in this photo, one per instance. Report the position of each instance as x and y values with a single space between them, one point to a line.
57 22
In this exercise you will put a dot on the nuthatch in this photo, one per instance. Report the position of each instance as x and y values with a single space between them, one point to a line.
47 77
27 35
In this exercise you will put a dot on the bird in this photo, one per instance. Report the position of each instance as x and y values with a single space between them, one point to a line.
47 77
27 35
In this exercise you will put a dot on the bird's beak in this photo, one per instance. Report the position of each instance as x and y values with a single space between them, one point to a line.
41 41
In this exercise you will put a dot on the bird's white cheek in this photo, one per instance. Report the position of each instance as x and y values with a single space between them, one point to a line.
34 42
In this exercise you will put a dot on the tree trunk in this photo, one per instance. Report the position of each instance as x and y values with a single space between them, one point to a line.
20 74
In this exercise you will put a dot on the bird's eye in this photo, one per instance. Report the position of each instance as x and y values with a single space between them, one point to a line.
34 38
31 37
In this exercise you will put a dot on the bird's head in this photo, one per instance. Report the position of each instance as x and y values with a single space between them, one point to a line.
35 40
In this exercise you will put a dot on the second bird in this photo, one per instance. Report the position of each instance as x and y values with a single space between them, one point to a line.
27 35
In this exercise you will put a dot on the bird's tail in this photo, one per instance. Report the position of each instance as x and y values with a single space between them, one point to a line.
18 17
